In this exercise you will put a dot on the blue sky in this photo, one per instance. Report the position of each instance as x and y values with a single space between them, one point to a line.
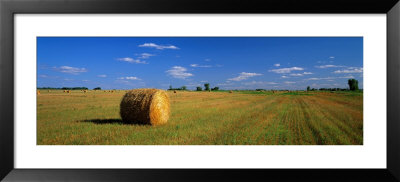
229 63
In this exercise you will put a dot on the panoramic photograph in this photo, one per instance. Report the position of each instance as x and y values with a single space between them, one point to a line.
199 91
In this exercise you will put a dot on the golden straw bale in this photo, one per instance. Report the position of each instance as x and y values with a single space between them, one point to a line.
68 91
145 106
230 91
38 92
174 91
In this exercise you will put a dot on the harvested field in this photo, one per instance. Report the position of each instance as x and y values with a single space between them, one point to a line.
205 118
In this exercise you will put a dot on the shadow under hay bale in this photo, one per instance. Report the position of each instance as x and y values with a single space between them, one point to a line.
104 121
145 106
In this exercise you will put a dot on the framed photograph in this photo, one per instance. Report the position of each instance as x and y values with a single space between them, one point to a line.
128 90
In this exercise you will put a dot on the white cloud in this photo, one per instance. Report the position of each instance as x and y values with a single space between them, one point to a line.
207 60
244 76
200 66
350 70
132 78
194 85
145 55
129 78
70 70
307 73
296 74
259 83
179 72
332 57
286 70
330 78
284 76
328 66
160 47
277 64
102 76
348 76
224 84
327 78
289 82
131 60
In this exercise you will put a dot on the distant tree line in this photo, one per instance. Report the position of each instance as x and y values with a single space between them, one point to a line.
353 86
181 88
64 88
206 87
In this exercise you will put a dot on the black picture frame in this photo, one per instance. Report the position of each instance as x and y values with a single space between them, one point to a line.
8 8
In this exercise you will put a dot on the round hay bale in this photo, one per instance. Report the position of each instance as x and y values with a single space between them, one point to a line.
68 91
230 91
38 92
145 106
174 91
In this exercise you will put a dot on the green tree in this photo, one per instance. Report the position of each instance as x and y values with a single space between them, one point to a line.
97 88
215 88
170 87
308 88
207 86
199 89
353 84
183 87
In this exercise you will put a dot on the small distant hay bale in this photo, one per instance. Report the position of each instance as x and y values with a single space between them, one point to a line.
230 91
48 90
68 91
174 91
145 106
65 91
38 92
84 91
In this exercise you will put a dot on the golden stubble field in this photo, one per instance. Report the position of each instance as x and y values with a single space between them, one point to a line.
205 118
